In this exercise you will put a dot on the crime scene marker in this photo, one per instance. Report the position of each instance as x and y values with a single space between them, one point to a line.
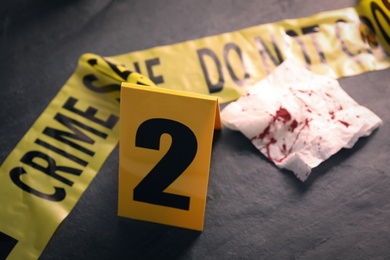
165 151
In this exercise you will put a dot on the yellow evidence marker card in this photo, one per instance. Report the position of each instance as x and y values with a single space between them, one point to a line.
165 151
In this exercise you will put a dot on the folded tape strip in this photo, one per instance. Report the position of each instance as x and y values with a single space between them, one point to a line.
35 200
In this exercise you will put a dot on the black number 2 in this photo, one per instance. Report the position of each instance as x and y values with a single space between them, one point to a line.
179 156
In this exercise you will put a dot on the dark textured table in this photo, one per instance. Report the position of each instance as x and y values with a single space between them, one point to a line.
254 210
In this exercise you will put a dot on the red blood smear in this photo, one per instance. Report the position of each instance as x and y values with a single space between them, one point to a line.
309 92
319 143
284 114
293 125
284 148
281 113
307 121
331 113
267 146
329 95
264 133
344 123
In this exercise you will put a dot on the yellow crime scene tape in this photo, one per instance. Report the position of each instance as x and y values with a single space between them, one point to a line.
47 172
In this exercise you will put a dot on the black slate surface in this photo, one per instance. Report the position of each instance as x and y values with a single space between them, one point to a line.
254 210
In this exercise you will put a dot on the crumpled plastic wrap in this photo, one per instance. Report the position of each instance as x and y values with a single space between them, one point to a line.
298 119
